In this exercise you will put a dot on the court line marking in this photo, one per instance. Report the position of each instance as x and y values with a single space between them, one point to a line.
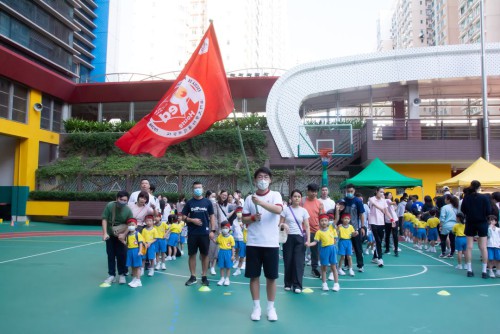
422 253
52 241
45 253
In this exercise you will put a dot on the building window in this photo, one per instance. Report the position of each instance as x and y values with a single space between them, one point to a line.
13 101
51 114
4 98
88 112
113 111
142 109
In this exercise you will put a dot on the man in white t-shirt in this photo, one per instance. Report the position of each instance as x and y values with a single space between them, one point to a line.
261 213
328 203
153 203
376 218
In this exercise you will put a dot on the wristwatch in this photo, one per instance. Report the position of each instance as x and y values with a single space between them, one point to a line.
214 231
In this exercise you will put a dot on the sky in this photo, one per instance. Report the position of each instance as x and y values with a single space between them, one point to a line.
322 29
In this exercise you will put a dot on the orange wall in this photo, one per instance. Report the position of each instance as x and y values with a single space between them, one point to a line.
429 173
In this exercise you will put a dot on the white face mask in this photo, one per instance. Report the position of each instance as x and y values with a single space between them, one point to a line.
225 231
238 214
131 228
212 199
263 184
330 222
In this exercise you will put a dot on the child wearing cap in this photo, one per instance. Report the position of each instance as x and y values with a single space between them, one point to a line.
225 241
135 242
325 236
150 235
346 232
174 237
161 243
240 246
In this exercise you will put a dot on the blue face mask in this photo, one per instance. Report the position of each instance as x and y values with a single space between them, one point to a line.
198 192
349 195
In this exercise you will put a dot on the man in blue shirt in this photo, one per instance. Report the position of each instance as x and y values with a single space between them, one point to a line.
354 207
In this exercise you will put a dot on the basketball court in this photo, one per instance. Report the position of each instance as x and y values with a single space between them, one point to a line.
50 277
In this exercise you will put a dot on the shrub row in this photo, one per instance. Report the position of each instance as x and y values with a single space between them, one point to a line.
82 196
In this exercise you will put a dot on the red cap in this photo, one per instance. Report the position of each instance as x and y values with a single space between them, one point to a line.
331 216
226 225
239 209
345 215
132 220
149 217
322 216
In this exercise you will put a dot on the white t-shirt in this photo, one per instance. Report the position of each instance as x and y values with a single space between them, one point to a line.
263 233
328 204
376 216
300 213
493 237
237 230
152 200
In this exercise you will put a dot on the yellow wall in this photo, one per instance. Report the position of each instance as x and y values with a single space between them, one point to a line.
429 173
46 208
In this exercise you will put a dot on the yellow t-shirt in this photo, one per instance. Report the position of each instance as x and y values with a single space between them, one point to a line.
433 222
408 217
326 238
176 227
459 230
420 224
149 235
345 232
161 229
132 240
225 242
414 220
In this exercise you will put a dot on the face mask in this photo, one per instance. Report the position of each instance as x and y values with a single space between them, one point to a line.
349 195
225 231
120 203
238 214
198 192
131 228
330 222
263 184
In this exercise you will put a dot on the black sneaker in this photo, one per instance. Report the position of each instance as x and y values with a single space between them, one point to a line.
387 252
470 274
191 281
315 273
484 275
204 281
396 254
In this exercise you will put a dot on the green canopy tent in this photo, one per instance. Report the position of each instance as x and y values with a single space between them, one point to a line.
378 174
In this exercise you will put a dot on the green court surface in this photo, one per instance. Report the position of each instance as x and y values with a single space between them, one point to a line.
50 284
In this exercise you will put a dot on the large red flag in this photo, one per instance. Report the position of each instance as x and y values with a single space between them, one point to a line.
198 98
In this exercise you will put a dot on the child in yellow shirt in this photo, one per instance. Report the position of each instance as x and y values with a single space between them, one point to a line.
460 239
327 252
161 243
150 235
432 232
421 228
226 243
135 242
346 232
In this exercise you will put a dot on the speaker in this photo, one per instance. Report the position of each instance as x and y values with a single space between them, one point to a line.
38 107
417 101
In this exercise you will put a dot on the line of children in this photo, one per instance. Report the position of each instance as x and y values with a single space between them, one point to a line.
421 229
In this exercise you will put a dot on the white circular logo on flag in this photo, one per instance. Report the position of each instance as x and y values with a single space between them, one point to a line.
180 114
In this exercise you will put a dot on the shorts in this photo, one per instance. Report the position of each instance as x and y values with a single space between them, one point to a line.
241 247
198 242
345 247
151 253
369 236
224 259
134 260
433 234
328 255
460 244
173 239
262 257
422 234
213 250
493 254
161 245
407 225
183 239
481 229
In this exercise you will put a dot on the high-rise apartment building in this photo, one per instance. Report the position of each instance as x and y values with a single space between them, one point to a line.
469 21
59 34
384 27
409 24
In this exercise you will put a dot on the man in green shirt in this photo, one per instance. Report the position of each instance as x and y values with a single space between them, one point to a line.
116 213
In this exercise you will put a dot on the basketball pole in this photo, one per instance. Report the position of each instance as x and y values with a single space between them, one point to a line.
250 183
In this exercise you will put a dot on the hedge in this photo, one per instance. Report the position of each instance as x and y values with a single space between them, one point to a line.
72 196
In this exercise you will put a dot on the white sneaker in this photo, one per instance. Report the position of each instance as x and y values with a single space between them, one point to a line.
459 266
375 261
212 271
220 282
235 264
308 263
287 288
142 271
341 272
367 251
498 274
110 280
361 270
133 283
237 272
380 263
336 287
138 282
169 258
330 277
151 272
255 316
174 258
226 281
122 279
351 272
158 266
271 314
243 266
372 251
492 274
163 267
297 290
324 287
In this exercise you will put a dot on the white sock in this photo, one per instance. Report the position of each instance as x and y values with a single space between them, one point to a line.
484 267
256 304
270 305
469 266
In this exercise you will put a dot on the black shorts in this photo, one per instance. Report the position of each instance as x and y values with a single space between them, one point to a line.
472 229
258 257
198 242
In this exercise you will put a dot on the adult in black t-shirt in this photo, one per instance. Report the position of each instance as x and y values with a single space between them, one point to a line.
198 213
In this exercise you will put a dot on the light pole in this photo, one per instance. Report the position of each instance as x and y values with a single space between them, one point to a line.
486 126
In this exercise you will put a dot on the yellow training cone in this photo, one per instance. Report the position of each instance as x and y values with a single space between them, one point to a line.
204 289
307 290
227 293
28 223
444 293
105 285
1 221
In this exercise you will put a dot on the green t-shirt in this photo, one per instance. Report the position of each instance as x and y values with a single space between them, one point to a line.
121 216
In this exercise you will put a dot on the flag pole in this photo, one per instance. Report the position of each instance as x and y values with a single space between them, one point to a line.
244 154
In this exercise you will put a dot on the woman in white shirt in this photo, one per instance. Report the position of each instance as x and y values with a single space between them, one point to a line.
295 221
141 209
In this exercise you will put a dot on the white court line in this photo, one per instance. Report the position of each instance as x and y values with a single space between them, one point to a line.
377 279
55 251
422 253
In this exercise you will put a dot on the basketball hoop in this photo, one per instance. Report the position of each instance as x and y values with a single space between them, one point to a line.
325 154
